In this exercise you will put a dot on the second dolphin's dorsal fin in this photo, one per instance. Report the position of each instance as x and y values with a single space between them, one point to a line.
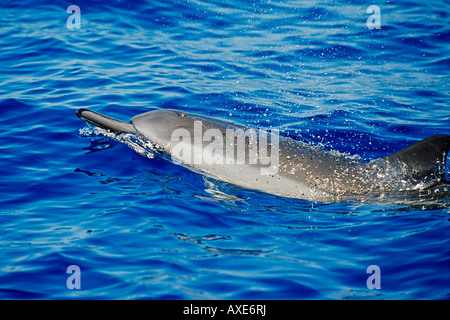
422 160
105 122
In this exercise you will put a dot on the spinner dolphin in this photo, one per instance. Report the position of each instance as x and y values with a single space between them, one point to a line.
287 167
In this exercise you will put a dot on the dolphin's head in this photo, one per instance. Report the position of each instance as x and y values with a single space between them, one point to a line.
159 125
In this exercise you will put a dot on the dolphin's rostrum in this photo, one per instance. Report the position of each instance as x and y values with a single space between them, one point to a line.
300 171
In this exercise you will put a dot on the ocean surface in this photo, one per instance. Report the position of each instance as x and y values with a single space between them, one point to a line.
140 228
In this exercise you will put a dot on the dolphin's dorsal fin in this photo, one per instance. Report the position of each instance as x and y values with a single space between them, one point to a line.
424 159
105 122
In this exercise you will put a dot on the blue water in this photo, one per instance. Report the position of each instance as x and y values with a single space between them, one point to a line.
147 228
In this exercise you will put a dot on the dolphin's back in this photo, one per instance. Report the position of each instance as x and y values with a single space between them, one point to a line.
424 160
417 166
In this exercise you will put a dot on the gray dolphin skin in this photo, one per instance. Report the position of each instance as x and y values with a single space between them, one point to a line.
296 170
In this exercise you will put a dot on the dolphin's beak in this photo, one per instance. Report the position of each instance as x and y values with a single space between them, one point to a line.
105 122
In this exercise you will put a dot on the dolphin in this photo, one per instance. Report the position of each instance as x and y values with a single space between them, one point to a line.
287 168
